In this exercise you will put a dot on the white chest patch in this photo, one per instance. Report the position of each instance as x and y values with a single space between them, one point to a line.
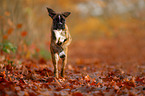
60 35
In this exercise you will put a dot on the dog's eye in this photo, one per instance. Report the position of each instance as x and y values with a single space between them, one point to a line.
57 19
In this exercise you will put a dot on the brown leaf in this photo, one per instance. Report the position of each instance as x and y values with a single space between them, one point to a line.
77 94
19 26
10 31
24 33
2 74
5 37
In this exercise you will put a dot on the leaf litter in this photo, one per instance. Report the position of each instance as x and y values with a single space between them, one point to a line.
106 72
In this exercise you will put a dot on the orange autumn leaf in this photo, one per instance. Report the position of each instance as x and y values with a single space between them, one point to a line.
77 94
2 74
37 50
5 37
23 34
19 26
7 13
10 31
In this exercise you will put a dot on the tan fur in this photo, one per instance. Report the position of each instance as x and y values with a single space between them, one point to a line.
56 49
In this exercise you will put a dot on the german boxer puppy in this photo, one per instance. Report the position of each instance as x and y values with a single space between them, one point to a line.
60 39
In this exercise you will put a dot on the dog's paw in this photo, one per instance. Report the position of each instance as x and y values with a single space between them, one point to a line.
62 54
59 43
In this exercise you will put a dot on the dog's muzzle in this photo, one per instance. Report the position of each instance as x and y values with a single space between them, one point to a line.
59 24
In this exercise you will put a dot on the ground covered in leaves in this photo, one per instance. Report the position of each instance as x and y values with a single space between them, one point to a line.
96 68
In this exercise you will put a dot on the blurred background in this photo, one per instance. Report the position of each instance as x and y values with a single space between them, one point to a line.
107 30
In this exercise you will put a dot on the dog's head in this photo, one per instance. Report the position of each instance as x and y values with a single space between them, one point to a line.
58 18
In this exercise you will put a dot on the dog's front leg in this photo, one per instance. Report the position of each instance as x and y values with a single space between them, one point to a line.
55 59
55 50
64 61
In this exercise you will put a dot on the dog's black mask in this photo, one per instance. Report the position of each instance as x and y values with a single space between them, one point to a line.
59 22
58 19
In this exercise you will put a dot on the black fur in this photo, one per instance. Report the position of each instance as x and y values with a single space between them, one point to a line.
58 18
58 23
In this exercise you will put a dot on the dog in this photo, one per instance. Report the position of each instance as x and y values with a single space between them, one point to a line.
60 39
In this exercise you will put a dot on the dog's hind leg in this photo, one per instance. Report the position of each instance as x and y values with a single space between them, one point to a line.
64 61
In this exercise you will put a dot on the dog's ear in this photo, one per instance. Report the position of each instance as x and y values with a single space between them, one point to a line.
51 12
66 14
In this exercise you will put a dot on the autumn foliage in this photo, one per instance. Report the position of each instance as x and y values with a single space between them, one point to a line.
106 56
